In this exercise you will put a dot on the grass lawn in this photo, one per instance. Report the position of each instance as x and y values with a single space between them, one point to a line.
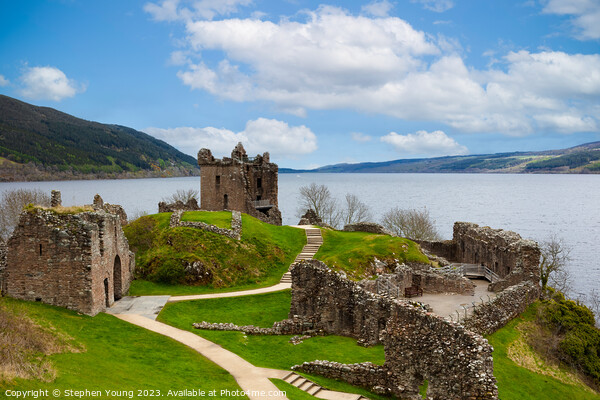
116 356
353 252
518 383
221 219
264 351
259 259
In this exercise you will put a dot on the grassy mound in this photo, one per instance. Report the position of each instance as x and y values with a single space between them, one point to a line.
112 355
523 375
196 257
353 252
221 219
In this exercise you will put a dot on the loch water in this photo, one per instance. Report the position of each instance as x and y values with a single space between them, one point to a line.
534 206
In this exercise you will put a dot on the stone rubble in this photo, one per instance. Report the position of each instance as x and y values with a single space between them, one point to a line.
234 233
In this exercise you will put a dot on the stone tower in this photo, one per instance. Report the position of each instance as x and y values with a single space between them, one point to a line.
239 183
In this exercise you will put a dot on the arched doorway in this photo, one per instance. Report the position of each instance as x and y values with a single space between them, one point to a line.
117 278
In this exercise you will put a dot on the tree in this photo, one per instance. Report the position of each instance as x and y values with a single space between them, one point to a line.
182 195
555 255
319 199
356 210
412 224
12 204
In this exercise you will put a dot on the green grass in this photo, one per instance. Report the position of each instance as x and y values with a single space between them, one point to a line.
259 259
116 356
353 252
264 351
518 383
221 219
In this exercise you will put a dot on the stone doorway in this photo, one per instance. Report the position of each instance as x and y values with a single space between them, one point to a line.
117 278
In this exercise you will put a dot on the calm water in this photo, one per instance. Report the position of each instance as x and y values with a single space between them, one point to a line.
532 205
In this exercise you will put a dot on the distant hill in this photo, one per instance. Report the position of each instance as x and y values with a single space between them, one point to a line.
40 143
580 159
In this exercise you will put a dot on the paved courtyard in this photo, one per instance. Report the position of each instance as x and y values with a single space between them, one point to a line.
447 304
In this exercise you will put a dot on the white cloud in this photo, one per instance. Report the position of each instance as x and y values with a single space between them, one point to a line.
48 83
335 60
378 8
585 15
260 135
436 5
4 81
172 10
360 137
435 143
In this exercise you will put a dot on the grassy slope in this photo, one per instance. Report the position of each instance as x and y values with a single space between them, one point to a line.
518 383
117 355
259 259
353 251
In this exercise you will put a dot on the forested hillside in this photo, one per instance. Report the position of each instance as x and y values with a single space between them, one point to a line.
40 143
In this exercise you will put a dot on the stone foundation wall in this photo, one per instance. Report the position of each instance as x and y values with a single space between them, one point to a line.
419 345
234 233
367 375
487 318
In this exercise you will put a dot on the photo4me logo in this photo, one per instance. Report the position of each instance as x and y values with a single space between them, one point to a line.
141 393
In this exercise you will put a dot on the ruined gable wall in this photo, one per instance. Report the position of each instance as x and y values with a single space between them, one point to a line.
111 260
418 345
59 274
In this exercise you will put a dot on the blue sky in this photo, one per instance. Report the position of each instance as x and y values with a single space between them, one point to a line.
316 83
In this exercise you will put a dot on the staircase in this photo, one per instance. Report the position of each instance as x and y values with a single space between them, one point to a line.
314 240
317 391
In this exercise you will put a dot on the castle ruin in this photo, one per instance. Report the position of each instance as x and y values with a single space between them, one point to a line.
69 258
239 183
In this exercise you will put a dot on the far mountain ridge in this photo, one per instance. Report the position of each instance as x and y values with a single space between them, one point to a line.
41 143
581 159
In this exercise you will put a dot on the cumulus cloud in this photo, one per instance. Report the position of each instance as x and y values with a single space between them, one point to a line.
3 81
335 60
585 15
436 5
259 135
48 83
360 137
378 8
172 10
425 143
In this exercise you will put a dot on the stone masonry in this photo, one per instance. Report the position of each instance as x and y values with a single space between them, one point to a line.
234 233
513 258
80 261
419 345
239 183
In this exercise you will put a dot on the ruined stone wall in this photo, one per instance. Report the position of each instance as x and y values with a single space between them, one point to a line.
64 259
367 375
370 227
488 317
234 233
236 183
190 205
419 345
513 258
428 280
